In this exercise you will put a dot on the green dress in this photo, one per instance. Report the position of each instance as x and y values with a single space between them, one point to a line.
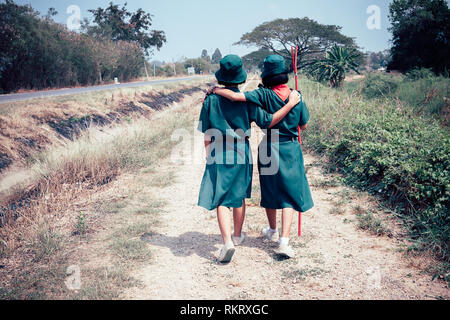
227 180
281 167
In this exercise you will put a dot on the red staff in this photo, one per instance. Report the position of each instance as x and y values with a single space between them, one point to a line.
294 63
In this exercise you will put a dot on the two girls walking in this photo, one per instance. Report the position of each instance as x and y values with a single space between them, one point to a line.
225 120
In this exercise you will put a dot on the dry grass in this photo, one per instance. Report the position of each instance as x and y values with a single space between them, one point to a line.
31 126
43 224
63 174
367 221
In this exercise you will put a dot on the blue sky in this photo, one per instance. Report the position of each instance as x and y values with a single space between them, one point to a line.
194 25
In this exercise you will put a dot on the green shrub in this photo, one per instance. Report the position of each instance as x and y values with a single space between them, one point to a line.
420 89
426 95
379 85
385 148
419 73
367 221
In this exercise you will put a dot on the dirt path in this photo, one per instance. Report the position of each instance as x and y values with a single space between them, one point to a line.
336 260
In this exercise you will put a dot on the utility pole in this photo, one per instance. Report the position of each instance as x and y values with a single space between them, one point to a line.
146 72
174 67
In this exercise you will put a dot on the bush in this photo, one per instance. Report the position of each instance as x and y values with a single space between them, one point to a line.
379 85
420 89
419 73
385 148
426 95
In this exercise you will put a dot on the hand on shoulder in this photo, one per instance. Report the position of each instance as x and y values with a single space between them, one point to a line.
294 97
209 92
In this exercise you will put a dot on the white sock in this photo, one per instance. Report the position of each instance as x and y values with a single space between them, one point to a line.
284 241
272 230
229 244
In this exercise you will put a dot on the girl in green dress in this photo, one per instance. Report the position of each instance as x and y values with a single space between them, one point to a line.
226 126
286 188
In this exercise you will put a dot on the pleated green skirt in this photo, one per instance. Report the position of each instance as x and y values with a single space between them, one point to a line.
227 183
282 176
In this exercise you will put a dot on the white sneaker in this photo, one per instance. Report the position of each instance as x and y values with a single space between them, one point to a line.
270 235
238 240
286 251
227 252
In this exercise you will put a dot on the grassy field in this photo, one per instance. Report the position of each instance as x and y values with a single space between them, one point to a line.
426 94
387 135
46 227
380 144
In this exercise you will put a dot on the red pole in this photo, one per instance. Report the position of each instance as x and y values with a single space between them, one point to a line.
294 62
296 74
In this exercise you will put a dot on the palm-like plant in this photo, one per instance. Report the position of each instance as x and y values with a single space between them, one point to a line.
336 64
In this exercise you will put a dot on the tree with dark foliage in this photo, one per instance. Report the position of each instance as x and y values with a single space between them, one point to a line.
205 56
312 38
118 24
421 35
255 59
216 57
36 52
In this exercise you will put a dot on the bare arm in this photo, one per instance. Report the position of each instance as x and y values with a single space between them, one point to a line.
303 128
294 99
230 95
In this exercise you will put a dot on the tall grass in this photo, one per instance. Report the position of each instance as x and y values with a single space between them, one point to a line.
425 93
63 174
382 146
428 95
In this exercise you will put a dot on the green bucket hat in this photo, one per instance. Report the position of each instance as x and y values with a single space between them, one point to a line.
273 65
231 70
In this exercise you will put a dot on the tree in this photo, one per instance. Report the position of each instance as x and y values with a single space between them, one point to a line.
336 64
376 60
312 38
255 59
36 53
200 65
217 56
205 55
118 24
51 13
420 35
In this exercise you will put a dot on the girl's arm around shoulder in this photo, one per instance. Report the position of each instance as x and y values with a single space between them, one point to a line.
230 95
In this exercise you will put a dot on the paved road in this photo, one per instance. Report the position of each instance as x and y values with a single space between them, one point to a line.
60 92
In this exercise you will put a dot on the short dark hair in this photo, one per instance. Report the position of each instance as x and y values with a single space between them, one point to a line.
228 84
275 80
